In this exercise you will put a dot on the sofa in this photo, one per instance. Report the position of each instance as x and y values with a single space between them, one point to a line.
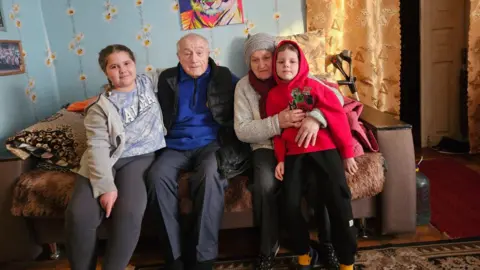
383 191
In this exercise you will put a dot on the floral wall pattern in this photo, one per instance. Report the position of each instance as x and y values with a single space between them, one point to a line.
151 29
33 95
61 40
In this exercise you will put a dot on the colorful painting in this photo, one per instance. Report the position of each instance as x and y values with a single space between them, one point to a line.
11 58
197 14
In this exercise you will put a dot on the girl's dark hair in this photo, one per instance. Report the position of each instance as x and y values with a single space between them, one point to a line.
105 53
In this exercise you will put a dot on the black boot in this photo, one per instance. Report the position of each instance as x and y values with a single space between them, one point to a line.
327 256
266 262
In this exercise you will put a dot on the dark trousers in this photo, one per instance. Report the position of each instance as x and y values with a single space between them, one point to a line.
265 193
207 190
267 200
84 215
332 190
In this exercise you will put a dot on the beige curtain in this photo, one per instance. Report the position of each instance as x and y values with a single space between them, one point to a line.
371 30
474 77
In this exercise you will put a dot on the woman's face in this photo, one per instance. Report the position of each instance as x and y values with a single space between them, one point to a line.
121 70
261 64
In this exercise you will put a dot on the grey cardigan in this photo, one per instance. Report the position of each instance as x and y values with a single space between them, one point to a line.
105 142
248 124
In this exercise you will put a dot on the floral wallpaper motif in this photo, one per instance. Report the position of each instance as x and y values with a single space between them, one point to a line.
110 12
249 26
474 77
15 16
76 47
175 6
151 29
144 35
276 16
371 30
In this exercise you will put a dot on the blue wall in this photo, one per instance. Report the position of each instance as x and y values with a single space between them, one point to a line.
47 23
17 109
165 31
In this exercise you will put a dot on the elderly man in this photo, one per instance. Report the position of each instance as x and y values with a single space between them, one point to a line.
196 98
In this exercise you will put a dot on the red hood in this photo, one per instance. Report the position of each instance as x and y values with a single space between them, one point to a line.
302 70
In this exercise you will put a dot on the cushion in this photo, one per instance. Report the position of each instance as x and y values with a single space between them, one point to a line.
59 139
312 44
45 193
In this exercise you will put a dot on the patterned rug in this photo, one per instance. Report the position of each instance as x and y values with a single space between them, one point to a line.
446 254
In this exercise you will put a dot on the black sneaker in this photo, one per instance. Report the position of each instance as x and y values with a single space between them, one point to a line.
327 257
267 262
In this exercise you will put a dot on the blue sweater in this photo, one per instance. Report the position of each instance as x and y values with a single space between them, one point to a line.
194 126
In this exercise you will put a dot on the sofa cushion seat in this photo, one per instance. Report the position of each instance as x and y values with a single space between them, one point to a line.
45 193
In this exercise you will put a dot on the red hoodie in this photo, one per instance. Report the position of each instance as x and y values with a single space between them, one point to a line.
309 94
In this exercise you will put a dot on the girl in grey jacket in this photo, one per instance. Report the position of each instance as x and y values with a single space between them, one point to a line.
124 128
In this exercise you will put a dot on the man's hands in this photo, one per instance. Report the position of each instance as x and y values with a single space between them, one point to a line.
107 200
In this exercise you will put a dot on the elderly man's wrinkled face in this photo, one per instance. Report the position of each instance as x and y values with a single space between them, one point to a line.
193 55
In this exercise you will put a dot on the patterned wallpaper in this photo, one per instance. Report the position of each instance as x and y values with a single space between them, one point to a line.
33 95
79 29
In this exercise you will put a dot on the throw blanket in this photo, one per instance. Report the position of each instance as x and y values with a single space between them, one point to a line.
363 137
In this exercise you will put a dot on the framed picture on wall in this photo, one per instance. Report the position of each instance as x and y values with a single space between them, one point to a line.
11 58
2 19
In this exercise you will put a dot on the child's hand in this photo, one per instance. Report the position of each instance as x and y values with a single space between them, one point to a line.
279 170
350 166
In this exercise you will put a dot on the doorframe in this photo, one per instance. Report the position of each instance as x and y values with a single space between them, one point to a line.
425 59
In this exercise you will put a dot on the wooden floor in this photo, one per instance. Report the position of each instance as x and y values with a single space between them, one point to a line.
244 243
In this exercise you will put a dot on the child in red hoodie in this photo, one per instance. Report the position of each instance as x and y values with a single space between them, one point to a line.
333 144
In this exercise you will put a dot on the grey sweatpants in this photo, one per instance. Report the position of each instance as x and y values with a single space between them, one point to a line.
84 215
207 189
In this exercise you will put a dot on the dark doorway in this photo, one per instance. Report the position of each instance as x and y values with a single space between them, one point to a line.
410 67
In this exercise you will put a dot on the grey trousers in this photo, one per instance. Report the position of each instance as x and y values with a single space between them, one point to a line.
84 215
207 190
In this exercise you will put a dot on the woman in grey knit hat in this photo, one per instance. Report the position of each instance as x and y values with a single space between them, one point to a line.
254 127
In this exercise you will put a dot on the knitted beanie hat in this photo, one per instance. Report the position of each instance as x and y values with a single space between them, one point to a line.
260 41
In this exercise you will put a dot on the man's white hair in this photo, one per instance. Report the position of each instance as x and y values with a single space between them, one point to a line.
189 36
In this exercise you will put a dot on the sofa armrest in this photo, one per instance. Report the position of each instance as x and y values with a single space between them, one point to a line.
398 198
17 242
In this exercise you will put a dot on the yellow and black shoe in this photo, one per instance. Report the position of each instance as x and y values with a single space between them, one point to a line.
346 267
307 261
